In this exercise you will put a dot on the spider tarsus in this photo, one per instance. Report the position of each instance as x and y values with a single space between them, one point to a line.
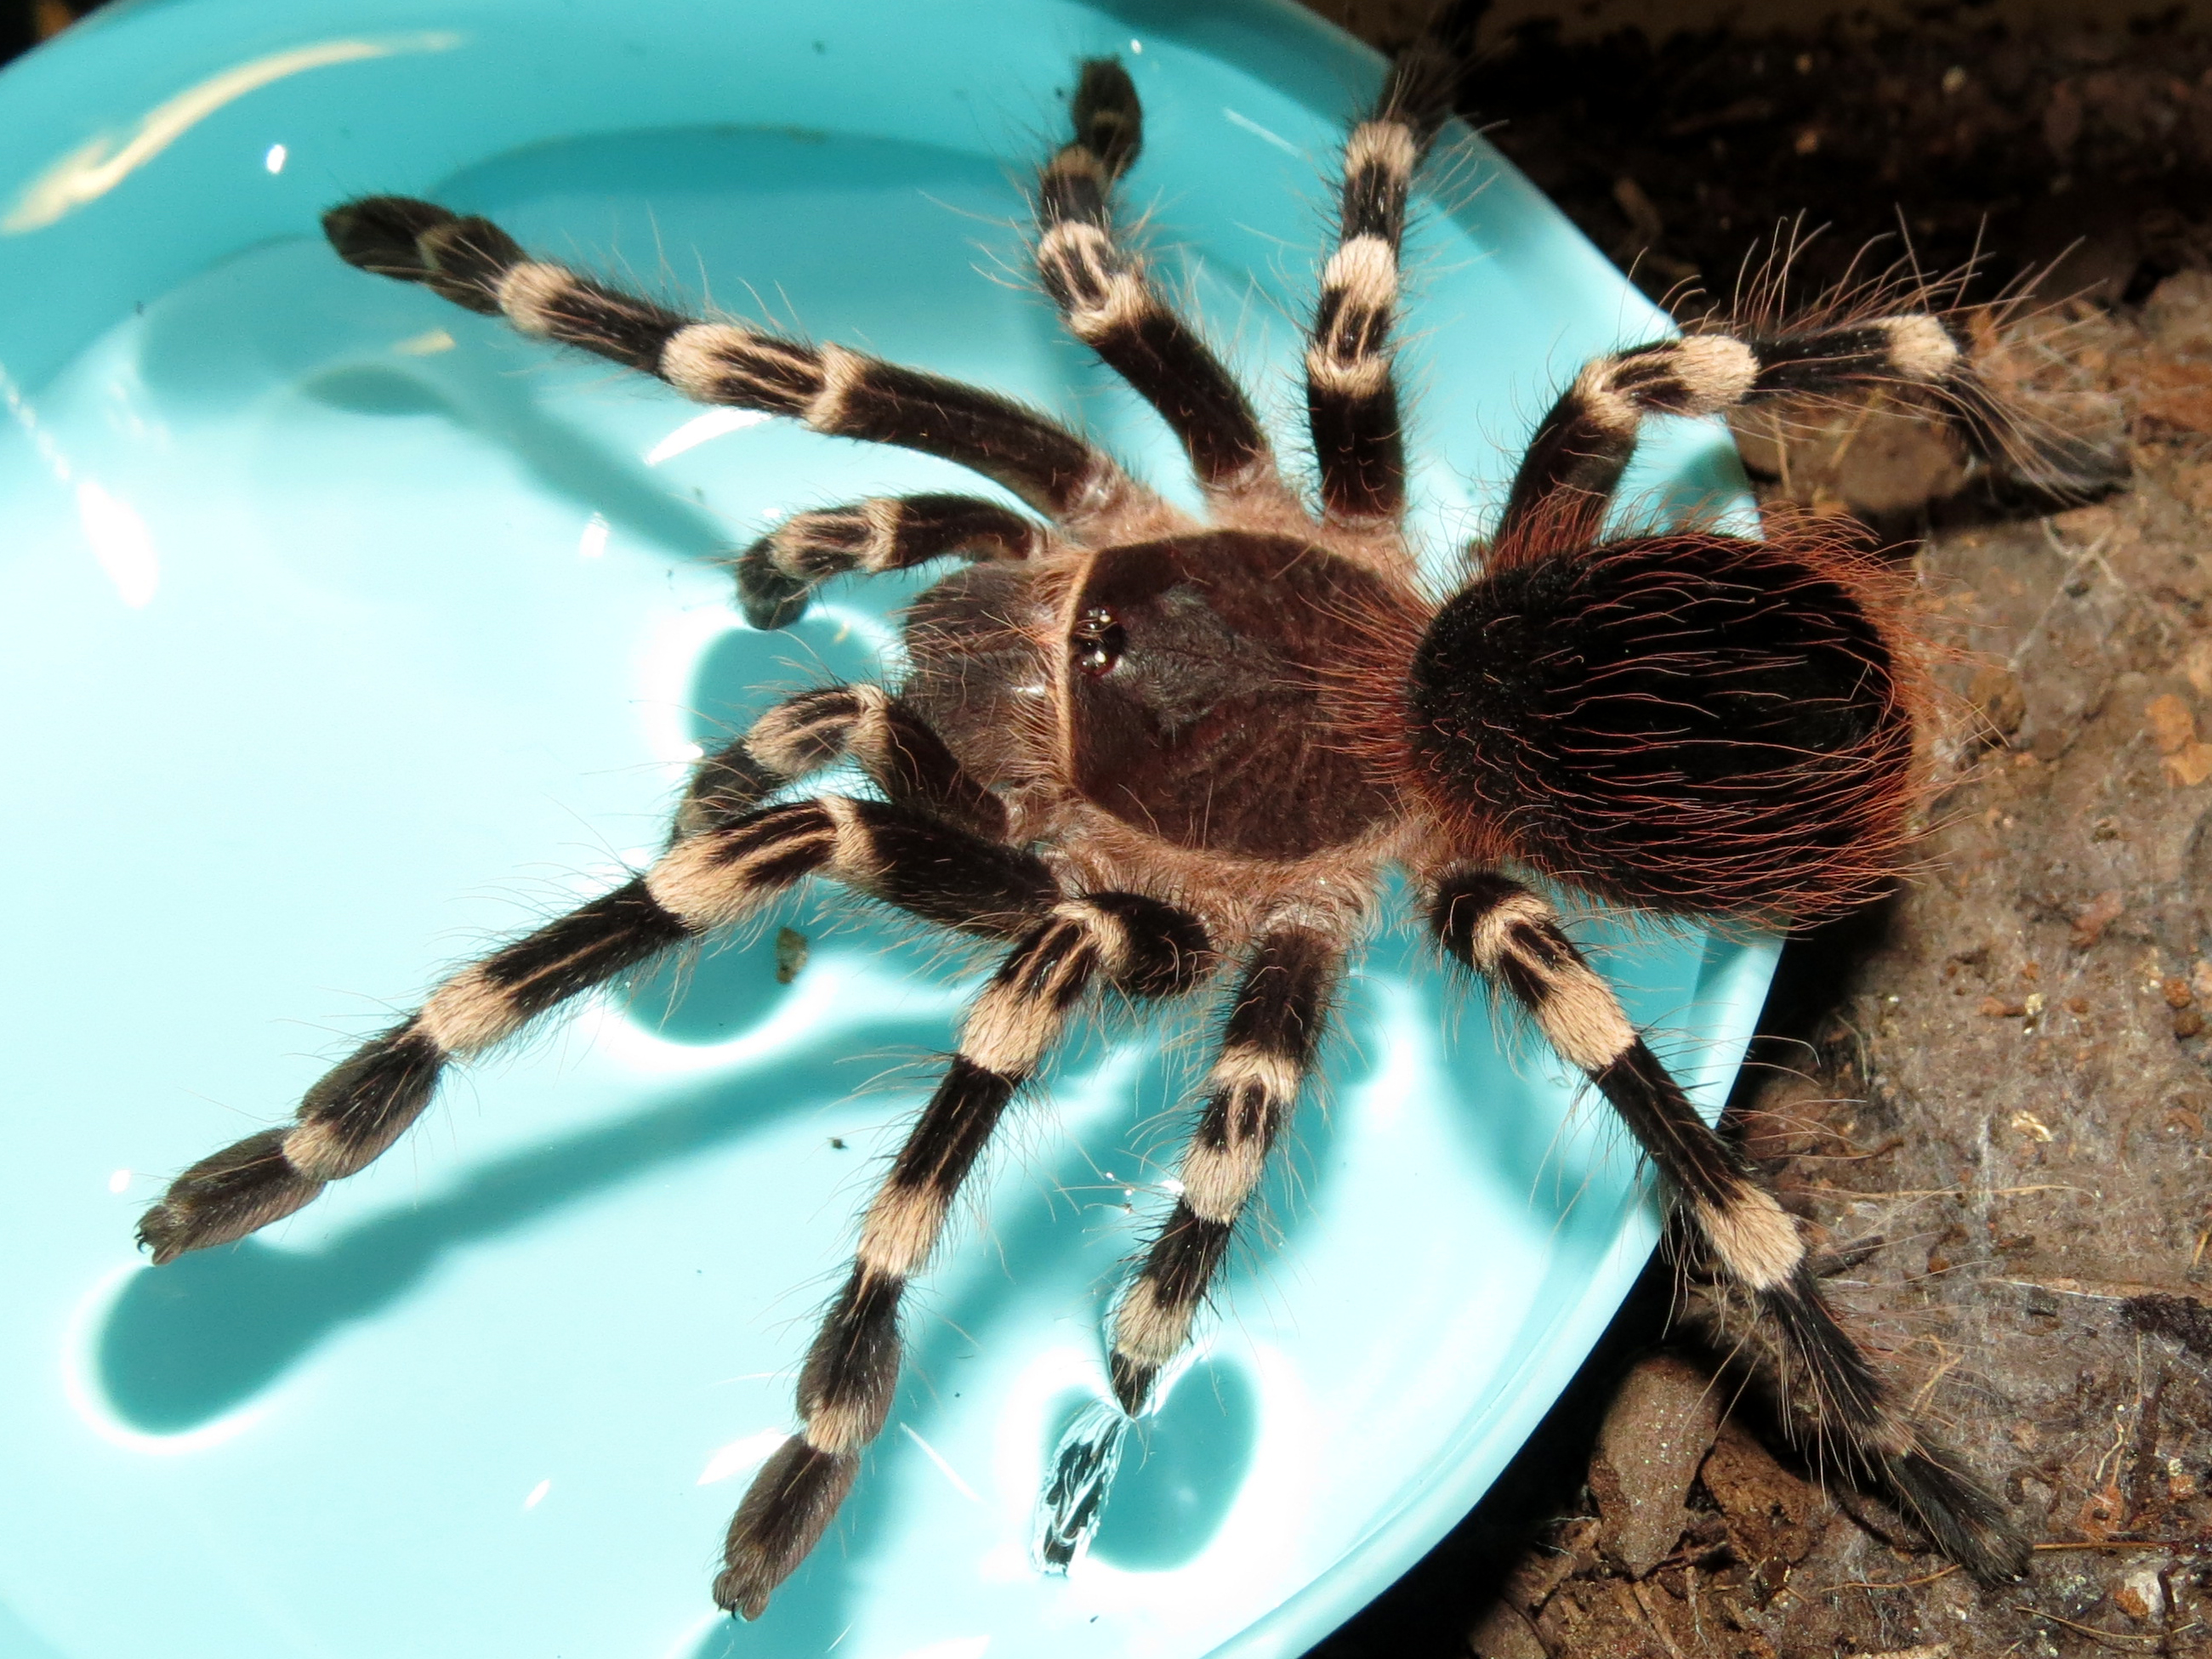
1423 87
383 234
1083 1468
724 787
1962 1518
2033 462
416 241
225 1196
783 1516
770 597
1109 120
1842 1413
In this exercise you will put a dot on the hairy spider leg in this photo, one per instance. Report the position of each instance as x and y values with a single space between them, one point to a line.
778 573
1511 937
735 856
1108 303
1145 948
473 263
901 753
1575 460
1351 400
906 858
1276 1021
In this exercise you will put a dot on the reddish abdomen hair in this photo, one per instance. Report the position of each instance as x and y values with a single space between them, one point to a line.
1687 722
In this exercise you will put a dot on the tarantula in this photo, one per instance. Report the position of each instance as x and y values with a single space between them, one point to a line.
1142 751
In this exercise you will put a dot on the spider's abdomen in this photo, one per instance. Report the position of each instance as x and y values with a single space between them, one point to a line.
1688 721
1194 704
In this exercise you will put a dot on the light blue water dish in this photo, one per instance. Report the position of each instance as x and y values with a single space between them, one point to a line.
350 633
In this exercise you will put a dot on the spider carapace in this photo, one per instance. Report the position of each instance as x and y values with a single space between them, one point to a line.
1194 701
1144 751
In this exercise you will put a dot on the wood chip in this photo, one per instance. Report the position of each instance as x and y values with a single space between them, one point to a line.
2191 765
2176 395
2171 725
1505 1633
1657 1432
2090 922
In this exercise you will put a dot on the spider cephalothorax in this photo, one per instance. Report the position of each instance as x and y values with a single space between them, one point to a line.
1141 749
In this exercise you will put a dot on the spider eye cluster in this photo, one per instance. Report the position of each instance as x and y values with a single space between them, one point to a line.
1099 640
1683 722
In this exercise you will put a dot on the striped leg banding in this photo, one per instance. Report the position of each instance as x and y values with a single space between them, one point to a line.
1351 400
1574 463
1511 937
899 751
851 1373
364 1104
908 858
1108 303
1267 1046
777 574
475 264
713 879
1738 1232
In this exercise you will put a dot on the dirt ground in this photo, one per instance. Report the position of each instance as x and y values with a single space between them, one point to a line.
1990 1096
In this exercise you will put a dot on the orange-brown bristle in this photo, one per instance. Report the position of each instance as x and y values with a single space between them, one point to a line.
1687 722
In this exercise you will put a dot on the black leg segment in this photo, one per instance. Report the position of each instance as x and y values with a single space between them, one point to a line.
474 263
1108 303
851 1373
1511 937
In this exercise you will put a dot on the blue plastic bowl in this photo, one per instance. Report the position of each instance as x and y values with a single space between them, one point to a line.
347 632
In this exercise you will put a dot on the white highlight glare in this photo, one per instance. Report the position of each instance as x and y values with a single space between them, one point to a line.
537 1494
960 1647
1137 48
120 543
90 171
275 160
741 1455
700 427
41 440
942 1468
428 343
592 544
120 1181
1257 131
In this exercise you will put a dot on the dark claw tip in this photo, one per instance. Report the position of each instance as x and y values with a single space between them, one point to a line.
156 1235
740 1595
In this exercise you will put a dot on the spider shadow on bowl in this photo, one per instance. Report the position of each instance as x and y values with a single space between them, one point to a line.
332 348
204 1334
1179 1476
